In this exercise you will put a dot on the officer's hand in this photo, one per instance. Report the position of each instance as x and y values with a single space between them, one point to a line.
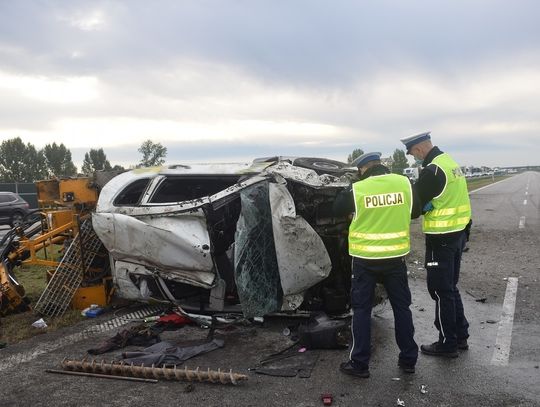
427 207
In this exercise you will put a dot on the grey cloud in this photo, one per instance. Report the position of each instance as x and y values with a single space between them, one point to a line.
319 43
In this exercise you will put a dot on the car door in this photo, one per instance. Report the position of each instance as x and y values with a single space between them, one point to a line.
164 226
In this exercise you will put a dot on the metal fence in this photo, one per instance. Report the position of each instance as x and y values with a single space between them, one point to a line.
26 190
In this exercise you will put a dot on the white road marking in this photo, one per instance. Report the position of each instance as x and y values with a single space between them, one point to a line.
522 222
501 354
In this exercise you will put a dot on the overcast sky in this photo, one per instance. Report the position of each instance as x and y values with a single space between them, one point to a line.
227 81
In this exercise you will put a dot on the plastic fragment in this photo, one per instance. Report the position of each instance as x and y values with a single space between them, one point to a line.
423 389
400 402
326 399
40 323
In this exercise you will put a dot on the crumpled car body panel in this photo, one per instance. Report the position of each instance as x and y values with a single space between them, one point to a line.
301 255
176 245
192 242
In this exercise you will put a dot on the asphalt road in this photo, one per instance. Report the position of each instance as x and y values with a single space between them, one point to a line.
499 369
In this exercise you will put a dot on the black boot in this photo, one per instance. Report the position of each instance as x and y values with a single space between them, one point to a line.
462 344
436 349
348 368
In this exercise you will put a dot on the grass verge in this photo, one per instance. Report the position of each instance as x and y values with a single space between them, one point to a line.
17 327
473 184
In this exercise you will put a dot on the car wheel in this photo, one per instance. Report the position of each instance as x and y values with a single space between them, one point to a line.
320 165
17 219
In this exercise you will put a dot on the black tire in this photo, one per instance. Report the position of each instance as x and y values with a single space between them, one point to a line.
321 165
17 219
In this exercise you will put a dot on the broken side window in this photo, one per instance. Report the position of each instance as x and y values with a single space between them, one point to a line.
256 267
178 189
131 195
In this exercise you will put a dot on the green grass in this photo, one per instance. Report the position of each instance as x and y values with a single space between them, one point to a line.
473 184
17 327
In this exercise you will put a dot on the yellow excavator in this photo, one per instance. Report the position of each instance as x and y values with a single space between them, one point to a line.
61 225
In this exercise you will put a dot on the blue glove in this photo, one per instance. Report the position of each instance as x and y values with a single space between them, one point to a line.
427 207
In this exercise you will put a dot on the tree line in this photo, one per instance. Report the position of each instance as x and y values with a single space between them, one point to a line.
398 163
20 162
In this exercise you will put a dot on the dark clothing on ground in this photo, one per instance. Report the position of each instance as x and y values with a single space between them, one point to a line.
165 354
139 335
392 273
443 262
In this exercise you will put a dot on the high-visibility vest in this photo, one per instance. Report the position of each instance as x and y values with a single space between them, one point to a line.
451 208
380 228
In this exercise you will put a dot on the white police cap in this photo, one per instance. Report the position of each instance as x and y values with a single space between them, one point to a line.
411 141
365 158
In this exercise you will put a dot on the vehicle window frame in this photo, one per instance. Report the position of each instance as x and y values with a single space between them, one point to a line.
140 197
151 192
10 196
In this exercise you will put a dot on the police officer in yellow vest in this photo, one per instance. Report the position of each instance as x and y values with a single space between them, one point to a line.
442 190
378 240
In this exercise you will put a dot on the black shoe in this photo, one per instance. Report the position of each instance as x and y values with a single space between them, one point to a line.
436 349
406 367
347 368
462 344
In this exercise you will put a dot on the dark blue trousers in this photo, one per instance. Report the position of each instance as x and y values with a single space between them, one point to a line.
443 263
393 275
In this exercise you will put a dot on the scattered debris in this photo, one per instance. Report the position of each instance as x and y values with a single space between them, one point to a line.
477 299
189 388
93 311
167 354
40 323
421 309
327 399
122 369
396 379
139 335
400 402
423 389
3 345
288 362
491 321
323 333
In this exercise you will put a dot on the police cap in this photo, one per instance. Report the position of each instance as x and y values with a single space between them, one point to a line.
411 141
365 158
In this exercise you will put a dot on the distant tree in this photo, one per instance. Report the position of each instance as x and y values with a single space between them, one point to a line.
356 153
152 154
21 162
95 160
118 168
400 161
58 160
